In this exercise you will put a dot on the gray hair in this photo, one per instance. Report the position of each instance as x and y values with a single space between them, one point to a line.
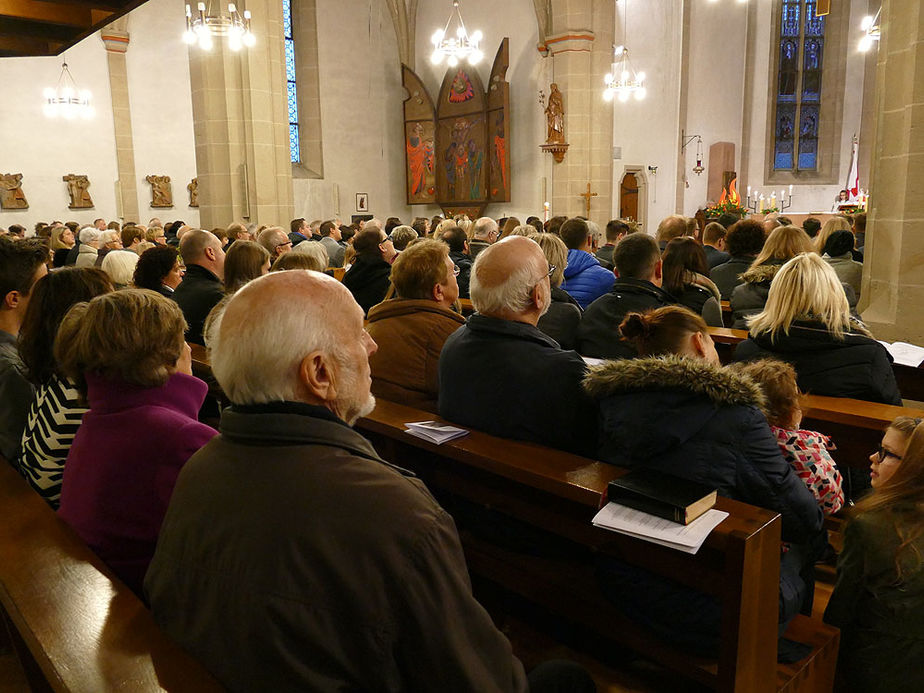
483 226
593 230
511 296
374 223
88 234
402 235
120 266
108 236
316 251
239 356
271 238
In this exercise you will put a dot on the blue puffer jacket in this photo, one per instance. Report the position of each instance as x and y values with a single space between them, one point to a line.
585 280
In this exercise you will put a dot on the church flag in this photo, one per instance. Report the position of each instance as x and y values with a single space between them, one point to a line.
853 178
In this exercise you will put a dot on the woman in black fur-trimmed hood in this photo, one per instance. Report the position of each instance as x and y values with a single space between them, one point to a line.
677 411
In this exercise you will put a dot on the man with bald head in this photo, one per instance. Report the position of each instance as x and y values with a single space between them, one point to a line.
499 373
201 288
293 557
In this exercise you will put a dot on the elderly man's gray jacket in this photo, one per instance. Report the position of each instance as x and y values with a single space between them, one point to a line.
293 558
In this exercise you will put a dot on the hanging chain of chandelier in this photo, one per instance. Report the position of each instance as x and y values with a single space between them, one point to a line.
458 46
204 26
66 100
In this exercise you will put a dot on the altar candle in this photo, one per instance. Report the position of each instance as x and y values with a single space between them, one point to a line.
749 191
546 206
790 191
762 205
773 199
782 196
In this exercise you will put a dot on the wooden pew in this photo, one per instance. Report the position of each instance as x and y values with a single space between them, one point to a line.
337 272
467 307
558 493
910 380
75 626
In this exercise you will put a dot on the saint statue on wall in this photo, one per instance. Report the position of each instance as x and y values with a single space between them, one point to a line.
161 192
555 117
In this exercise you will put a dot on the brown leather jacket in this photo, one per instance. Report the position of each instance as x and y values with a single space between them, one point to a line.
410 334
293 558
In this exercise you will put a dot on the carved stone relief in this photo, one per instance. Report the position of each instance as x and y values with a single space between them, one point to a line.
77 189
161 191
11 195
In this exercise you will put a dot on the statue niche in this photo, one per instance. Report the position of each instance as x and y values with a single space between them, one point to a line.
11 194
161 192
457 153
77 190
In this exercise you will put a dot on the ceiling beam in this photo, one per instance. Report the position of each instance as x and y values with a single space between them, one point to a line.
21 46
46 12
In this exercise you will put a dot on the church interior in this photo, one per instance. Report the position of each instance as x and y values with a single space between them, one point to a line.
316 119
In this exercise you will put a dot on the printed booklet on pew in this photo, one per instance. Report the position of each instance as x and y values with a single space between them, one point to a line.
905 354
434 431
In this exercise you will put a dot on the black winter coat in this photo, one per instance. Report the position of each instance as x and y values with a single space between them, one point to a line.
857 366
598 335
368 280
509 379
196 295
464 263
562 320
727 275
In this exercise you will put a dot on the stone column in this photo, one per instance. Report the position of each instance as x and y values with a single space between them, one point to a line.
892 297
116 39
241 126
581 45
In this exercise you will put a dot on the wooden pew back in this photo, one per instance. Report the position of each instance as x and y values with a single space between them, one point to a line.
78 628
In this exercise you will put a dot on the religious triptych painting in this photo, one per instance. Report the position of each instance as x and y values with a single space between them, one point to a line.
456 150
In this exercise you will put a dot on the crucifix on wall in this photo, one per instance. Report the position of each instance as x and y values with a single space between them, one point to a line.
587 195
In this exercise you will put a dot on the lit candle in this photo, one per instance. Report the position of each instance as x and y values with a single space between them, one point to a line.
782 195
772 199
762 205
790 191
749 191
546 206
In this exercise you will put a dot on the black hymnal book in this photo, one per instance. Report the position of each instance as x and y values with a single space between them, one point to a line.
663 495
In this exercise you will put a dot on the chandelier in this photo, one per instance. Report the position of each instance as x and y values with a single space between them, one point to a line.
459 46
870 26
66 100
623 81
203 27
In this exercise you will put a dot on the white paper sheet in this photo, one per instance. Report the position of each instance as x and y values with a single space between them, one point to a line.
434 431
635 523
905 354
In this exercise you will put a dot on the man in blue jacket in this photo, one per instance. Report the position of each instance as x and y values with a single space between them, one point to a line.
585 279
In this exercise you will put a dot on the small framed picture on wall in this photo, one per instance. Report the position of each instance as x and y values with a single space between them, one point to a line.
362 202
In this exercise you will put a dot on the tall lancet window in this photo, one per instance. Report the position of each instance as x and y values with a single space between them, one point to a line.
291 89
798 87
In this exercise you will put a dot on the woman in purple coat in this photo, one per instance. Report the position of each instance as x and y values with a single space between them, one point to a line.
125 351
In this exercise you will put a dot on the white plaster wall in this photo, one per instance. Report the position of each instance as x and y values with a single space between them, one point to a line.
44 150
361 114
716 88
649 130
157 63
806 198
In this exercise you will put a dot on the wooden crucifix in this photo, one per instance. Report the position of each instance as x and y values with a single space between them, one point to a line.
587 195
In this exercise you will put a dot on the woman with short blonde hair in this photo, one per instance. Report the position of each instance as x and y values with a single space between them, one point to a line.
807 322
125 351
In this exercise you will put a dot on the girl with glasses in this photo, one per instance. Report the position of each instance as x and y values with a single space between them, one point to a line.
878 600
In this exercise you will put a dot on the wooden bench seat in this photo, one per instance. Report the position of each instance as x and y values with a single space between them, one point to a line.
558 493
75 626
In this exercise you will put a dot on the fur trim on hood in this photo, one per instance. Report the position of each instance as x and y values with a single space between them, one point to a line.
720 385
760 274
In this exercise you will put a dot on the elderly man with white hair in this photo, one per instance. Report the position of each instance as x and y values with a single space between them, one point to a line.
292 556
201 288
499 373
484 233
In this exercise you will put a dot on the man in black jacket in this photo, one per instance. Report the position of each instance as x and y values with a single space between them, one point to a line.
637 288
744 241
201 288
499 373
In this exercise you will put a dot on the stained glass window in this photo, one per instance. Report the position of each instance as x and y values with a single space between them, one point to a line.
798 97
290 81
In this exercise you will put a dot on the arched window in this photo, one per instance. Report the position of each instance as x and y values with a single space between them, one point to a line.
291 89
808 68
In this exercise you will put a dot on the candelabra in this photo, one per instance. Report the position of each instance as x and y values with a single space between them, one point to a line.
757 203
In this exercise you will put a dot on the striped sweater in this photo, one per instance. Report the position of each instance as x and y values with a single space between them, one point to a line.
53 421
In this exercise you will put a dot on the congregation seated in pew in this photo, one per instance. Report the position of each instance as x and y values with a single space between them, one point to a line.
744 241
562 319
807 322
677 411
684 275
499 373
585 278
126 354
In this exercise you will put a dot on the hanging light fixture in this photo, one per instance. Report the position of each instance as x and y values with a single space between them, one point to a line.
205 25
456 46
623 81
870 27
66 100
